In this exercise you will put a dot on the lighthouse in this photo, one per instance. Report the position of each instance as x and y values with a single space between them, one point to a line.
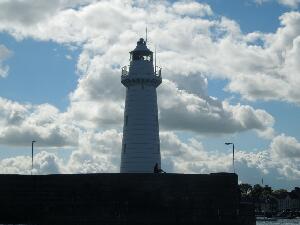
140 144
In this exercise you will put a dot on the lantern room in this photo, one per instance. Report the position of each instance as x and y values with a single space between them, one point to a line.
141 52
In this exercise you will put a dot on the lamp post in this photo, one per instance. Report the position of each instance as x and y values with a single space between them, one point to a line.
229 143
32 155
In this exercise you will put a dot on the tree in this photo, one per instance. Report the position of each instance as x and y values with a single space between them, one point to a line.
267 191
280 192
245 189
256 192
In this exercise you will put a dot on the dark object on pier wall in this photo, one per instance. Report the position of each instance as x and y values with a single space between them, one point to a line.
122 199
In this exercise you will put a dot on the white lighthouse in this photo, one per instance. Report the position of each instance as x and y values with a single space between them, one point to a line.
140 144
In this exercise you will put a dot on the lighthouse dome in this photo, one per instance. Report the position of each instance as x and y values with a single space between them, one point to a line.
141 46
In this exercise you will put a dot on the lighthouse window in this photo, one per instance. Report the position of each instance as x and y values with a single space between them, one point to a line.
146 56
124 148
126 120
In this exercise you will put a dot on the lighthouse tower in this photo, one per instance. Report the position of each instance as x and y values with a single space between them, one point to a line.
140 144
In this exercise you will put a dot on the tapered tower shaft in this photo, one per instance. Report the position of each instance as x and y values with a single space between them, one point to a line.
140 144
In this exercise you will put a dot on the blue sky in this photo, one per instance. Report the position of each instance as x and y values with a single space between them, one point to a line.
28 81
250 15
225 79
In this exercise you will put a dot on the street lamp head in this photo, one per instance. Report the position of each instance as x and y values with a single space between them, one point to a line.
228 143
33 141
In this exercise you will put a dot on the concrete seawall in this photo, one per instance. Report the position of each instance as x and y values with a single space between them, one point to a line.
142 199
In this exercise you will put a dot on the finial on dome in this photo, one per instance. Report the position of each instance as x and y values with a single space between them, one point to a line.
141 42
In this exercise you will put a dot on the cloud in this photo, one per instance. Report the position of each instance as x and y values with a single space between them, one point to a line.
289 3
267 72
26 12
5 53
99 89
261 1
190 156
66 21
47 163
20 124
31 12
44 163
96 152
285 151
284 146
292 172
16 165
180 110
68 57
259 66
100 152
184 104
191 8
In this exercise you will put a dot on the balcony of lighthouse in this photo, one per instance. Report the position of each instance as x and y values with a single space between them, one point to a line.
129 78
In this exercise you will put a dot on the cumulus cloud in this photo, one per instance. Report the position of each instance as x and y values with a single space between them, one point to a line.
268 71
16 165
26 12
97 152
5 53
100 152
31 12
44 163
190 156
181 110
205 47
261 1
20 124
257 65
284 146
47 163
289 3
191 8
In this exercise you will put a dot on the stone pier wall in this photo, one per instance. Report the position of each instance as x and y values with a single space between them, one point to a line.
125 199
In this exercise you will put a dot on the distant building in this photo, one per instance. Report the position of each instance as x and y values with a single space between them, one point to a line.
289 201
140 144
277 202
296 191
269 204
